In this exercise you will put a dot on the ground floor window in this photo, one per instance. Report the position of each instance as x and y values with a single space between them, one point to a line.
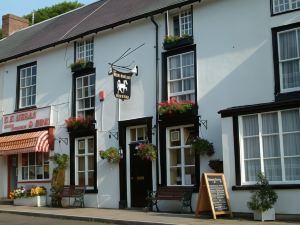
84 162
270 143
35 166
180 156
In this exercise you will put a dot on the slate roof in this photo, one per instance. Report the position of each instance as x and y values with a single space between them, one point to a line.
98 16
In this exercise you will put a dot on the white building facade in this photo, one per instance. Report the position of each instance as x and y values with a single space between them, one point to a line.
242 61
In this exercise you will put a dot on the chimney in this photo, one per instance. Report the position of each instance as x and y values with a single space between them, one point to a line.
12 23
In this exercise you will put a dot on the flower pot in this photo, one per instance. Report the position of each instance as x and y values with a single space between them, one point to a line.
80 67
37 201
266 215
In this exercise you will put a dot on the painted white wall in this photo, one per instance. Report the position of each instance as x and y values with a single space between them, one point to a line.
236 68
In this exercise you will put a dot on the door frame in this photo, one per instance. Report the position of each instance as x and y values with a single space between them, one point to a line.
9 170
124 175
128 162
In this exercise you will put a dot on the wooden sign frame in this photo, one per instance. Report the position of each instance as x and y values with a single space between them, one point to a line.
205 201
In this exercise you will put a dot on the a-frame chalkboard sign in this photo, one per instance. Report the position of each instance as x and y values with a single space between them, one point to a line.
213 195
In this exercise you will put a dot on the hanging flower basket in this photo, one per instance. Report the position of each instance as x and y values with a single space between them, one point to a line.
203 147
146 151
112 155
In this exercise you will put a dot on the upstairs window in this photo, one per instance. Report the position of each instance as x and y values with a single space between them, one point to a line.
85 50
27 85
289 59
85 96
280 6
183 24
181 77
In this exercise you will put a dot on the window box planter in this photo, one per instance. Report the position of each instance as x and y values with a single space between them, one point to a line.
177 42
80 126
81 65
37 201
173 110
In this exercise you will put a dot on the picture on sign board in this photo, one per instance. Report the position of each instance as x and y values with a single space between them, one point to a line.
122 84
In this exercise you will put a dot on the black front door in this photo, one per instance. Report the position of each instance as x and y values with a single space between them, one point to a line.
140 177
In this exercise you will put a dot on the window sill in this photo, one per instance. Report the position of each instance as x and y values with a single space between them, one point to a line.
91 191
287 96
274 186
25 109
34 181
285 12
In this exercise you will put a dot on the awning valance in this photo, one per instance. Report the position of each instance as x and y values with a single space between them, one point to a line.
27 142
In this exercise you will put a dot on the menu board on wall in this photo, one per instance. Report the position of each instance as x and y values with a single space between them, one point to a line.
213 195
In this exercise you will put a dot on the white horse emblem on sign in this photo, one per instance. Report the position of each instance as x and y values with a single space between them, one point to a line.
122 87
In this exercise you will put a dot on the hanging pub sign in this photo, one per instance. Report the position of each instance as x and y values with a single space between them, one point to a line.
122 84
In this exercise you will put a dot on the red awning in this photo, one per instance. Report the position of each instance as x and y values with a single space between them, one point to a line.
28 142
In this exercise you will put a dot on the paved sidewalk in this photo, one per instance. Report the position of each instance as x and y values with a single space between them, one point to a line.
126 217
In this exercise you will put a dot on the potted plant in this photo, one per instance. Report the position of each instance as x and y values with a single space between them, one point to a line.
58 176
203 146
216 165
79 123
81 64
112 155
146 151
36 196
262 200
171 41
174 107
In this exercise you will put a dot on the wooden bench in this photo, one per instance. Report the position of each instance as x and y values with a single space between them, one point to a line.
72 191
183 194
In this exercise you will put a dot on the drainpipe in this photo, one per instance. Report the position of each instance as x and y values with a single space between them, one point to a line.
156 93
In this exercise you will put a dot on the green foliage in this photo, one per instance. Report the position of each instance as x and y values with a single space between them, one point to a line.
216 165
173 39
264 198
81 64
111 154
52 11
62 161
203 147
0 33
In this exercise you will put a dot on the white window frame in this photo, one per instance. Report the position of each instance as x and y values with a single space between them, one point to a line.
90 96
282 157
85 50
290 4
177 94
182 148
26 87
86 163
182 16
282 90
35 165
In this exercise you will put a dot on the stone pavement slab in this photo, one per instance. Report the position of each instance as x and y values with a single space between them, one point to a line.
125 217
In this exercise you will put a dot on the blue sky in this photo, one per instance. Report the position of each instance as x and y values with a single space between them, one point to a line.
23 7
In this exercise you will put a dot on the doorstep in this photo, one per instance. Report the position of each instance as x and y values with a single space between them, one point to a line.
125 217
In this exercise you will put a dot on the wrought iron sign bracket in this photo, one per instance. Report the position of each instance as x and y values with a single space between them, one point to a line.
63 140
202 122
114 134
